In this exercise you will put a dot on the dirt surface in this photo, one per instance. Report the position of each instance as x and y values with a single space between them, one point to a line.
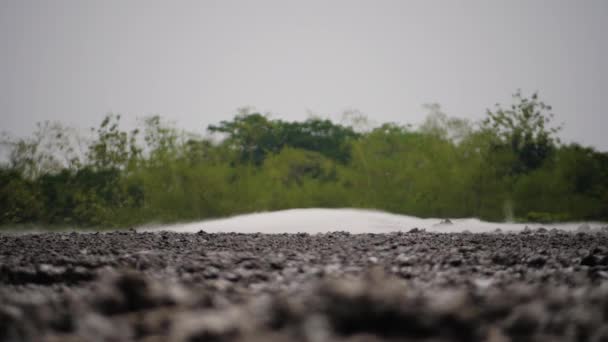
417 286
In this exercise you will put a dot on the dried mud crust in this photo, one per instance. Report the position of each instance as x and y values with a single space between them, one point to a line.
417 286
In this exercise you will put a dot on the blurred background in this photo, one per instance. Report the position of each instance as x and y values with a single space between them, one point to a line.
118 113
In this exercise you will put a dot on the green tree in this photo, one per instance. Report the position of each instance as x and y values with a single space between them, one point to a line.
526 129
51 148
255 136
113 148
252 135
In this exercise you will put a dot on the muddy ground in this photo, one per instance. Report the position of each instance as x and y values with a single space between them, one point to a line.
416 286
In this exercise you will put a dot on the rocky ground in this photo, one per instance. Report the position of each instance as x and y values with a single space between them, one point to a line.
531 286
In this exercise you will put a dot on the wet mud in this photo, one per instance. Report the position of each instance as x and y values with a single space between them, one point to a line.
413 286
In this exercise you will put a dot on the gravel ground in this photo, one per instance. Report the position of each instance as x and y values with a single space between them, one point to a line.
417 286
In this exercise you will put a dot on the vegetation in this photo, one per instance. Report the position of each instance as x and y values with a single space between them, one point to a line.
510 166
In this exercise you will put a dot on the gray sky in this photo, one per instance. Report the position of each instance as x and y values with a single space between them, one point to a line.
196 62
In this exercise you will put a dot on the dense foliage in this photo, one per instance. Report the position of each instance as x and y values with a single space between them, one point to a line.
510 166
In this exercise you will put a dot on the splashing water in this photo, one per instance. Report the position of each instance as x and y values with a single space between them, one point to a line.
355 221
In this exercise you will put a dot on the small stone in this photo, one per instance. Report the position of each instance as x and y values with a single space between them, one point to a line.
404 260
589 260
231 276
211 272
536 261
277 262
483 283
455 262
501 259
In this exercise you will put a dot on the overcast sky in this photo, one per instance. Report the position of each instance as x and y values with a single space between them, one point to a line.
196 62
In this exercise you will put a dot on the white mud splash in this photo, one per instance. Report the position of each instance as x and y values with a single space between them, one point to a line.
354 221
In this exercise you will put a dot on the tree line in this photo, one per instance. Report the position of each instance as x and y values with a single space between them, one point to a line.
510 166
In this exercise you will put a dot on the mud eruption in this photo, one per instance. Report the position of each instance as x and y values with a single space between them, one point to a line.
535 285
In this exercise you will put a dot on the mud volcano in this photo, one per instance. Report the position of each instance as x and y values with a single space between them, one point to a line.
417 286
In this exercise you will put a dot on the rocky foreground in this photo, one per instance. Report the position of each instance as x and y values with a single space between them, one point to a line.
416 286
